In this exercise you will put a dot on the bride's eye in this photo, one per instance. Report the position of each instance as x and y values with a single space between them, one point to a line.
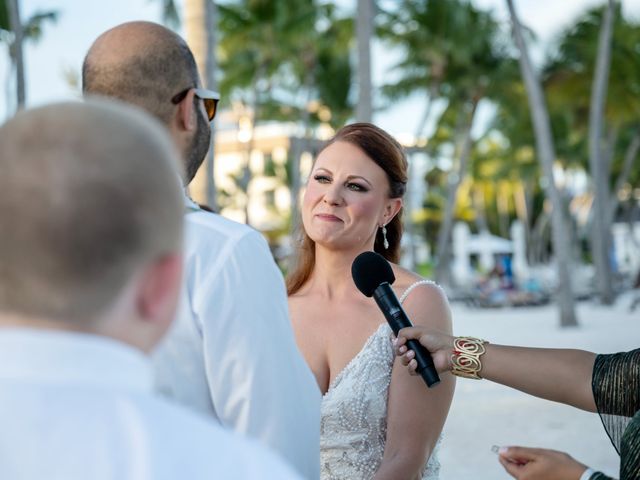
321 178
356 187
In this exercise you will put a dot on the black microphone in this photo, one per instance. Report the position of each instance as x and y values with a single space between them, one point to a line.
373 276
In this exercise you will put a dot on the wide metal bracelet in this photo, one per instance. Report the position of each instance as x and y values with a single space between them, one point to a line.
465 359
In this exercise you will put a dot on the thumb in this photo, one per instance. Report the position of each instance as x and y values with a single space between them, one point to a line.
519 454
514 469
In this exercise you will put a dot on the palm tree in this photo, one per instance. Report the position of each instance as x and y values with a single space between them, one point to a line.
439 62
601 237
546 156
14 32
200 18
18 58
364 28
581 68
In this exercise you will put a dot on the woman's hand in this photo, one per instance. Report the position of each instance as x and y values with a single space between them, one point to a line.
525 463
440 346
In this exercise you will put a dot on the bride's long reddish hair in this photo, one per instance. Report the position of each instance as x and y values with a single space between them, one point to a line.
389 155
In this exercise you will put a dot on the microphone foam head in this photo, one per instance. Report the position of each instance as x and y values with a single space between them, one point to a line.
369 270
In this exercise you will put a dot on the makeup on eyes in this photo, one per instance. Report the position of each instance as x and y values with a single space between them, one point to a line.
349 183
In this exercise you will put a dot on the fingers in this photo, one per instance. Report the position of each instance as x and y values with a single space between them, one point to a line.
407 358
410 333
513 468
520 454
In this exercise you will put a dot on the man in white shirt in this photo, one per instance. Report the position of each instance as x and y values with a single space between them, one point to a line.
231 353
90 273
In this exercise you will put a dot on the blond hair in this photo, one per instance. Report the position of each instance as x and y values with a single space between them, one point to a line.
89 192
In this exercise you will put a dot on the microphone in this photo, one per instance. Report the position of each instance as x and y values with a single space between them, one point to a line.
373 276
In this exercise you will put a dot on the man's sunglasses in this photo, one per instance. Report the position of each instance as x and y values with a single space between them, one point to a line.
209 97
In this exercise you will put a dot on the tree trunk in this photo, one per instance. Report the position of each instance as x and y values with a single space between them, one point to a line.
409 227
200 27
546 156
443 274
502 204
629 157
522 209
364 28
598 164
299 147
13 7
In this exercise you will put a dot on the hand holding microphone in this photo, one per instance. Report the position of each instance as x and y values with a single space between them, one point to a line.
373 276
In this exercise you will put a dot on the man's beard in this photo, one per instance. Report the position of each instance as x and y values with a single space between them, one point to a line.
199 146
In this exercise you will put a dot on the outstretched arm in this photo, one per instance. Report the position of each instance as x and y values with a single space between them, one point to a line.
561 375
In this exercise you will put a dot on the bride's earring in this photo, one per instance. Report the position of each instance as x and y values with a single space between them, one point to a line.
385 242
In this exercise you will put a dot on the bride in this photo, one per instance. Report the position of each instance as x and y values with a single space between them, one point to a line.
378 422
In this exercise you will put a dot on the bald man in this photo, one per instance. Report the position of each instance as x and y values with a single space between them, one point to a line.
90 272
231 353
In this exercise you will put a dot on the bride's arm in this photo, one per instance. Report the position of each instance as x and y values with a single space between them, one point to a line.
416 414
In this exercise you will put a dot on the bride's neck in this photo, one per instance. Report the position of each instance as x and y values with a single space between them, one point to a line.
332 273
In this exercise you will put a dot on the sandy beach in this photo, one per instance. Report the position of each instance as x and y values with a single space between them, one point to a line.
485 414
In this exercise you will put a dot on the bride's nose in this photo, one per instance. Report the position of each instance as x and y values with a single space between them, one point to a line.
333 196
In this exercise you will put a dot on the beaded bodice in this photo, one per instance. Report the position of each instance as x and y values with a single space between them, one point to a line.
353 428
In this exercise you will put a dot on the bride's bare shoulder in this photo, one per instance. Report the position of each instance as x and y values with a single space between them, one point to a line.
406 280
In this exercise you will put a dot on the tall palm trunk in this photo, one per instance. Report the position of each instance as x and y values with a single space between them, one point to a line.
443 272
546 156
599 164
17 54
200 27
298 147
364 28
629 157
410 254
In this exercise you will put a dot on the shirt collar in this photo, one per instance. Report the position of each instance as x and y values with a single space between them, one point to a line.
70 358
190 205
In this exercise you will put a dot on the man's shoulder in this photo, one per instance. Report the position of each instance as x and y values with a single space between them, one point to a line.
217 224
212 232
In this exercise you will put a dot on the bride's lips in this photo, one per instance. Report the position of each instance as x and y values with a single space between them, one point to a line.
328 217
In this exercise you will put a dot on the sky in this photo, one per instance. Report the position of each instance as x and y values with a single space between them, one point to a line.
65 43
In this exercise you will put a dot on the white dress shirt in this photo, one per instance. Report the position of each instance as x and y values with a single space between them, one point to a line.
77 406
231 352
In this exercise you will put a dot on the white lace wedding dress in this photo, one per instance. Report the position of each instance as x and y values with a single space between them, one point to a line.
353 428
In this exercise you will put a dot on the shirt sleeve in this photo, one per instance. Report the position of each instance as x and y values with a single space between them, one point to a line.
616 391
259 383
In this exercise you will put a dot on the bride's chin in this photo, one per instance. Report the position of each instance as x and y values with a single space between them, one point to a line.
329 243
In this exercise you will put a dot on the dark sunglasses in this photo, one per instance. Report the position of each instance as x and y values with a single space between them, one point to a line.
209 97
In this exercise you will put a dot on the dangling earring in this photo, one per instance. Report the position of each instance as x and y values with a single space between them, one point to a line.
385 242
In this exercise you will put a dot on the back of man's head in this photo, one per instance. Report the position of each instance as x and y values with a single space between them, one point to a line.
141 63
90 192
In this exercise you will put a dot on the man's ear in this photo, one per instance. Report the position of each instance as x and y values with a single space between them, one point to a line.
185 117
159 288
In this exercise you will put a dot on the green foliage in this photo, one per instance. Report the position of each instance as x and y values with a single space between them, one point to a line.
170 15
4 16
277 56
32 28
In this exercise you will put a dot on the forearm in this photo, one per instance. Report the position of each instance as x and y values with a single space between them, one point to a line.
561 375
399 467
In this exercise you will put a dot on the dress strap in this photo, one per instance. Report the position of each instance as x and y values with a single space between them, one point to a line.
414 285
